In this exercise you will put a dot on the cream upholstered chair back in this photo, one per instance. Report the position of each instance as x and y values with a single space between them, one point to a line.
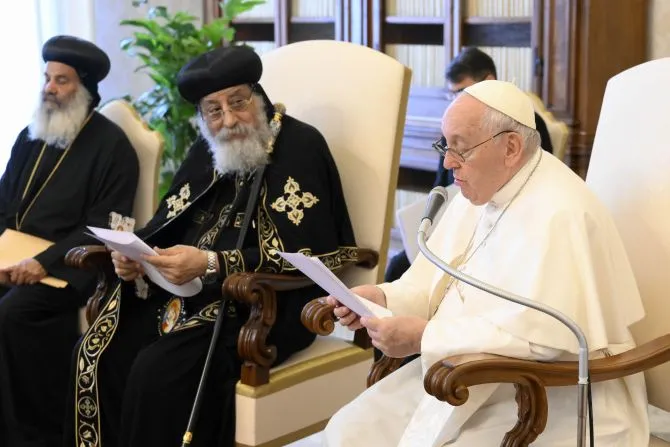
149 147
629 172
356 97
559 132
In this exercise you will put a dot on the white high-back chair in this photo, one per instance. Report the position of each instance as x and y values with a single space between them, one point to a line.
629 170
357 98
149 147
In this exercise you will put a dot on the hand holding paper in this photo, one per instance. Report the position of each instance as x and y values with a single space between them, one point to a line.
134 248
314 269
179 264
125 268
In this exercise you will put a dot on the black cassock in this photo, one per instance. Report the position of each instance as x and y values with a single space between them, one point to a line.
133 386
53 194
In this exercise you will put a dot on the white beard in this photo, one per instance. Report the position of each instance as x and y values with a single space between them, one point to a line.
58 125
240 155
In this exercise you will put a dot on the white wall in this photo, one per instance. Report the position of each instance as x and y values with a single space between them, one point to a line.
29 25
21 74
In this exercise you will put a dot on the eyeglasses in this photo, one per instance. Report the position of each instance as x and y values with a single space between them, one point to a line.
441 147
235 106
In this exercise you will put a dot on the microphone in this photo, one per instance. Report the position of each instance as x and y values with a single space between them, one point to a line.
583 375
436 199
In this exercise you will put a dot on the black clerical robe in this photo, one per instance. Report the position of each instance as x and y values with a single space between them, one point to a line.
53 194
144 381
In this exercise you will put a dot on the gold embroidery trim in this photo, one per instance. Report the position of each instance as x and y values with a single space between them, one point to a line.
177 204
207 314
333 260
96 339
269 242
294 201
233 262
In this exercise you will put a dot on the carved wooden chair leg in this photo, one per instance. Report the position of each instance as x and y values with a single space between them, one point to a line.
382 368
258 357
531 400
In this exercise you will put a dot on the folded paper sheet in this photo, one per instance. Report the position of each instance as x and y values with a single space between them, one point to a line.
16 246
131 246
313 268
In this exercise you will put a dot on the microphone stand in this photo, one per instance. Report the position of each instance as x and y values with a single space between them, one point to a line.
583 376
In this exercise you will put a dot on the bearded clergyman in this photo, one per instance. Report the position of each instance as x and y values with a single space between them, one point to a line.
256 183
71 167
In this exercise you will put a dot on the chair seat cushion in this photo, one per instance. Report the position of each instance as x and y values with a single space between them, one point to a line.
306 391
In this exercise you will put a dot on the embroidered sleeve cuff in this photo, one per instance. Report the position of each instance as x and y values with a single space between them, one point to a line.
230 261
333 260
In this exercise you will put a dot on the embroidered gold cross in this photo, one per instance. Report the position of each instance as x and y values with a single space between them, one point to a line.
294 201
177 204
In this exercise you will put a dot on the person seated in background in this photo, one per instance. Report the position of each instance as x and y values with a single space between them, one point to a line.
470 66
141 373
69 168
525 223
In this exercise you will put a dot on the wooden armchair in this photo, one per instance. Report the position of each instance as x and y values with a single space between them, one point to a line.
357 98
629 173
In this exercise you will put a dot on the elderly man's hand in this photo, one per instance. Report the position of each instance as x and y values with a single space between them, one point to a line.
125 268
179 264
28 271
396 337
345 315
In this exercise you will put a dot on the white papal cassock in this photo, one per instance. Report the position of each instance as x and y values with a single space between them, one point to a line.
545 236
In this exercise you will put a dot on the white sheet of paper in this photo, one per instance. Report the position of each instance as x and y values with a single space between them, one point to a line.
131 246
313 268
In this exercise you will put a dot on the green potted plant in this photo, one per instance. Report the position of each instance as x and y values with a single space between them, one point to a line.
164 42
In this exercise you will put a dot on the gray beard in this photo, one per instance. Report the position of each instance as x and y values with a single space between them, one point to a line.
59 125
239 155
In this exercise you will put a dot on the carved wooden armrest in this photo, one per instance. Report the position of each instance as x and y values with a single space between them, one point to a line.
96 258
448 380
317 315
258 290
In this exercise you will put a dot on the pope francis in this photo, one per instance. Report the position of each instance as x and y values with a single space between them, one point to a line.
523 222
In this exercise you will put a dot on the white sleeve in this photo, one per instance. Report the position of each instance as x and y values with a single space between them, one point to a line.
474 335
409 295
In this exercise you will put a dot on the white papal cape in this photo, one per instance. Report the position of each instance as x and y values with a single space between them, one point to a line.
556 244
